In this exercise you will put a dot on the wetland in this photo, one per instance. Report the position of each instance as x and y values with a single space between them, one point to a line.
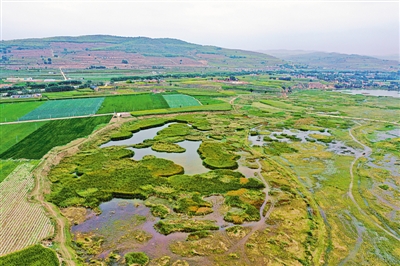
248 186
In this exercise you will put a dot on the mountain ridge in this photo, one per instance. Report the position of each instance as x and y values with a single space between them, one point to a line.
334 60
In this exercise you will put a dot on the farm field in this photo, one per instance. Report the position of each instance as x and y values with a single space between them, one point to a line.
190 109
128 103
180 100
23 223
53 133
34 255
13 133
13 111
6 167
65 108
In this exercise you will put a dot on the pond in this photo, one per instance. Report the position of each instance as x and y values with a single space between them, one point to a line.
395 94
302 135
122 222
337 147
137 137
190 160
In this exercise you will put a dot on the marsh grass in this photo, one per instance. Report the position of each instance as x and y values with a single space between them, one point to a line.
217 155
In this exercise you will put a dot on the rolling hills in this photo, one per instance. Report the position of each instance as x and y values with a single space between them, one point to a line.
103 51
334 61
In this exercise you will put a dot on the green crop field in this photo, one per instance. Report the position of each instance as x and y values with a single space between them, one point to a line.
35 255
12 111
65 108
6 167
14 133
52 134
128 103
180 100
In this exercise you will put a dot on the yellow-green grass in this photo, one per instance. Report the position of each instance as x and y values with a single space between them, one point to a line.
12 111
217 155
282 105
213 107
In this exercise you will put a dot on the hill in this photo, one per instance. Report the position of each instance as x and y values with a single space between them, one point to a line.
104 51
335 61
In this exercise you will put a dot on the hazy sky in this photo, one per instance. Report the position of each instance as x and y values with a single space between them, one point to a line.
362 27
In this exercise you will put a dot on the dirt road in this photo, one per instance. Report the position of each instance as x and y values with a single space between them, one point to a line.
62 73
367 151
42 187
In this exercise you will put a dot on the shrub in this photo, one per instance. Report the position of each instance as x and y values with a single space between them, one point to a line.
136 258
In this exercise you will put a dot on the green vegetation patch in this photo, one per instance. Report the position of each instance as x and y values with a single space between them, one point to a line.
198 235
193 205
199 122
35 255
158 210
322 138
52 134
206 100
167 147
161 167
180 100
65 108
93 176
218 155
277 148
173 130
13 133
281 105
12 111
129 103
136 258
6 167
242 211
168 226
213 182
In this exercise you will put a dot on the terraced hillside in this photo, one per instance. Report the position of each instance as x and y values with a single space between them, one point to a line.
126 53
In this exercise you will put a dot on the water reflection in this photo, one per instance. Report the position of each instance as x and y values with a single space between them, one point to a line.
190 160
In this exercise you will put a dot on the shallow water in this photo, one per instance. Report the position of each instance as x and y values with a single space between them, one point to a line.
340 148
137 137
383 135
394 94
120 212
389 163
190 160
303 135
337 147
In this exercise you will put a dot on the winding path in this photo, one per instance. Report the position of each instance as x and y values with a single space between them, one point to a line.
259 225
366 153
42 186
